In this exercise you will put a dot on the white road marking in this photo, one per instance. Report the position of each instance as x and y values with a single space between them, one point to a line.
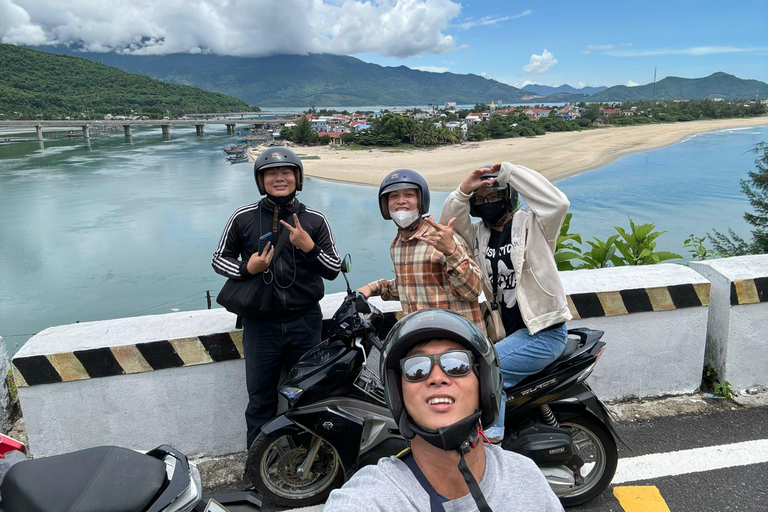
696 460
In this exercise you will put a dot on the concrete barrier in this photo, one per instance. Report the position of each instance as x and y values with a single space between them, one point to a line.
179 378
655 321
140 382
737 337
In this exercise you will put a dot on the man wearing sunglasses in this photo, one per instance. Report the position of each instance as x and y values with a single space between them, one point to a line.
516 251
442 384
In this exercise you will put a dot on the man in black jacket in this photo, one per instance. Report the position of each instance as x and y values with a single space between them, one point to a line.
285 320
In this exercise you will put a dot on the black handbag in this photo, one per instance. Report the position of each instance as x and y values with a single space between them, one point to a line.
239 296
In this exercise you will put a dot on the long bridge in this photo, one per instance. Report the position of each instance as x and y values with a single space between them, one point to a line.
164 124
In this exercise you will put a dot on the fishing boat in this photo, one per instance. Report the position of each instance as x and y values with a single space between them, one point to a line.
238 157
234 149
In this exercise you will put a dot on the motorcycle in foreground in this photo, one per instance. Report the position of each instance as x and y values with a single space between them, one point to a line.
332 418
101 479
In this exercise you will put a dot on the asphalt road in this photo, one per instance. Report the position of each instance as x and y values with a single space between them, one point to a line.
737 488
715 462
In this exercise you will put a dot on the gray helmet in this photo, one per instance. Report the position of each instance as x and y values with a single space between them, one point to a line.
503 187
277 157
398 180
430 324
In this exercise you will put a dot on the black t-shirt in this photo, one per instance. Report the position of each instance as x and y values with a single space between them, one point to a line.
498 265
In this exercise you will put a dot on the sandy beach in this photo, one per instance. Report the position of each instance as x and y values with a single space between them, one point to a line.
556 155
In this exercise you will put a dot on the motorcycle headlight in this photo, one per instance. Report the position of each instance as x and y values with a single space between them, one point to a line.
291 394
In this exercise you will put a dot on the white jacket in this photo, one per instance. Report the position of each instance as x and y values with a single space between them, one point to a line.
534 232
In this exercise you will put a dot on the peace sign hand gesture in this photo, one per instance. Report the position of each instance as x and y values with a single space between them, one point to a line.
440 237
298 237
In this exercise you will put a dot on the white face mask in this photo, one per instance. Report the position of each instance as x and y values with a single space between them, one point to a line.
404 219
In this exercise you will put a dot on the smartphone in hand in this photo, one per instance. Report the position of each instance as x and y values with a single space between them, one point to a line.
263 240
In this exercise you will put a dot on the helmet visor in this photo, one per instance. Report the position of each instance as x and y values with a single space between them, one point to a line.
397 186
454 363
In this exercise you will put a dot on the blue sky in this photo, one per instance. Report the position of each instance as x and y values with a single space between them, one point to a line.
602 43
516 42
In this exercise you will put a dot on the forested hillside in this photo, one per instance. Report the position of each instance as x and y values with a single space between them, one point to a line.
36 83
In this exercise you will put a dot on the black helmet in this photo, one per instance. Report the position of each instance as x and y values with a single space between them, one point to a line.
511 193
399 179
429 324
277 157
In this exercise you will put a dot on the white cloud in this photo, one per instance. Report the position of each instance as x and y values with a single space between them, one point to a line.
528 82
586 52
540 64
697 50
484 75
581 85
431 69
599 47
393 28
490 20
630 83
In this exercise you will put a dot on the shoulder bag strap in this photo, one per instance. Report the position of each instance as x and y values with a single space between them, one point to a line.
434 498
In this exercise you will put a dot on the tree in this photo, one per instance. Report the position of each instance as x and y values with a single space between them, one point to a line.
398 127
592 112
480 107
756 190
303 132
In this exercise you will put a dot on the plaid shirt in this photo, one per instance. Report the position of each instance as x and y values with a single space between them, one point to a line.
425 278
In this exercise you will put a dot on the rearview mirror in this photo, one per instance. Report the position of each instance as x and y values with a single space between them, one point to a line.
346 263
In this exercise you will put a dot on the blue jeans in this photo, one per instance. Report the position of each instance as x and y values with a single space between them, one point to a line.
522 354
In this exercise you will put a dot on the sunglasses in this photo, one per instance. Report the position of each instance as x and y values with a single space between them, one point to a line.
454 363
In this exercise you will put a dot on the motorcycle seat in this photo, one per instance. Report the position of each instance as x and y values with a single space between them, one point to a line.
101 479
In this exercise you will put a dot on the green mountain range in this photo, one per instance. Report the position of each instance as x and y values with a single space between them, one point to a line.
39 83
546 90
322 80
305 80
716 85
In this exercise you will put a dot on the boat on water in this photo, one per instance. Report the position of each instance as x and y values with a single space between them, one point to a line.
234 149
238 157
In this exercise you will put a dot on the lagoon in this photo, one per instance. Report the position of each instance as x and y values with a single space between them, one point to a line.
128 228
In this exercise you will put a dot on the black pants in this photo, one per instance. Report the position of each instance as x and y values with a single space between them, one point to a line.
271 346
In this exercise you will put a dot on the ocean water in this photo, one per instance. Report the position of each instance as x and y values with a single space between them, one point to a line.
123 228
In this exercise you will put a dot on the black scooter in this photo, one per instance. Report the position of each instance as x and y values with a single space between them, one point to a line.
101 479
332 418
555 419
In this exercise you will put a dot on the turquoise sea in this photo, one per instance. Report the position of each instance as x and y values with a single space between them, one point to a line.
123 228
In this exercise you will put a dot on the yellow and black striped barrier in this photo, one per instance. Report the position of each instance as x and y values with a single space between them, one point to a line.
749 291
127 359
638 300
176 353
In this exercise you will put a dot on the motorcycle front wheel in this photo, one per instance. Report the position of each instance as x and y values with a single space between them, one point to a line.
273 467
595 445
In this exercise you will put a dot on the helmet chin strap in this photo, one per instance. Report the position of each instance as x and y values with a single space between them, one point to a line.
462 436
